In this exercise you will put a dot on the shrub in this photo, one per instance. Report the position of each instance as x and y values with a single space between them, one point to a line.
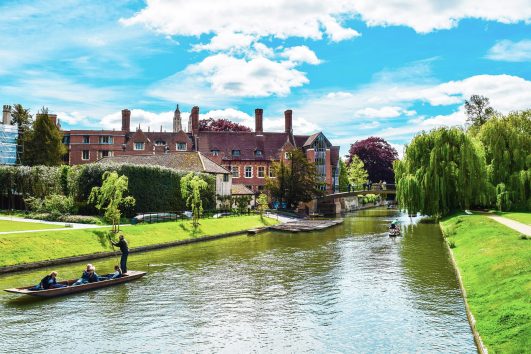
55 204
451 244
80 219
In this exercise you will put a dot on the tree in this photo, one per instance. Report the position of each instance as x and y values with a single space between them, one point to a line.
343 176
43 144
191 188
262 204
377 156
221 125
507 143
442 170
109 197
478 110
357 175
296 180
242 203
21 116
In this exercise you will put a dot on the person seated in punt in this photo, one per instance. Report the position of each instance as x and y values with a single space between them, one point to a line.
117 273
48 282
394 224
89 276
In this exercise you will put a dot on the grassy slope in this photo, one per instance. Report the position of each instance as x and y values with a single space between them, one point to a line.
495 265
6 226
524 218
38 246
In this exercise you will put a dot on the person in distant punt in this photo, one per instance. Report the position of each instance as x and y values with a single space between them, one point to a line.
48 282
124 248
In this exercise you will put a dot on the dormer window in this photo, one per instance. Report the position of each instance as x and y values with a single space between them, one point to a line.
236 153
180 147
160 143
139 146
214 152
258 153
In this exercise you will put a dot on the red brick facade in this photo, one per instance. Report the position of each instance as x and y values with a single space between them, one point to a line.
252 153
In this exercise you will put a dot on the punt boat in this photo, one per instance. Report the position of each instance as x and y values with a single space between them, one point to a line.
70 289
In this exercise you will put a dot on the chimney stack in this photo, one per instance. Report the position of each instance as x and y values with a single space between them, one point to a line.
258 121
6 114
126 120
288 121
195 120
53 118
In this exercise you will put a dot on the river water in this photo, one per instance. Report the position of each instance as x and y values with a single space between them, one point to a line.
348 289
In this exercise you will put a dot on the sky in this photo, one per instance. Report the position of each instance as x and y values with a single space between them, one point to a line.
351 69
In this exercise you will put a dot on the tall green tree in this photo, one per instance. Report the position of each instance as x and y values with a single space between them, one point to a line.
110 196
21 117
296 180
43 144
191 188
343 176
478 110
357 175
262 204
507 142
442 170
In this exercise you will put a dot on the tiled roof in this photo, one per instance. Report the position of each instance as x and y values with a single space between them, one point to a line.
246 142
189 161
240 189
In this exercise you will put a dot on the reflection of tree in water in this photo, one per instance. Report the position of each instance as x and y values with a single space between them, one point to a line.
428 270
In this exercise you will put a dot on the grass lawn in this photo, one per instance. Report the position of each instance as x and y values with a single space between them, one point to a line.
495 265
8 225
38 246
524 218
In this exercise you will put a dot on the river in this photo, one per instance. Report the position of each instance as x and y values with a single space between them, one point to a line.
348 289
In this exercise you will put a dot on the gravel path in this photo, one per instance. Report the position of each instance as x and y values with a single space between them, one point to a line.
515 225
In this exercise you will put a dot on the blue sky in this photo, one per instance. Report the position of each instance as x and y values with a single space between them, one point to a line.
351 69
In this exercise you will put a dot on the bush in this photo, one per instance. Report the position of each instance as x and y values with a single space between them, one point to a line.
81 219
55 204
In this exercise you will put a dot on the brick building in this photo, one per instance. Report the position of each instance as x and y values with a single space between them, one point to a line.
247 155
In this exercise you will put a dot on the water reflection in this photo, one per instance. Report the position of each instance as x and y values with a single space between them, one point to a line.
347 289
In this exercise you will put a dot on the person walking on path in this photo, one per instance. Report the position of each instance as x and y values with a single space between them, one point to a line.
124 248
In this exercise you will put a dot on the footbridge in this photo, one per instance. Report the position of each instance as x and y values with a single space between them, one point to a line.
336 203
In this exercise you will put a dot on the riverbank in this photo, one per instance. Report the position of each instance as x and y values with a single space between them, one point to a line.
493 262
23 248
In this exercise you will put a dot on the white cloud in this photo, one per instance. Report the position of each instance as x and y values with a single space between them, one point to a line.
507 50
226 41
145 119
383 112
300 54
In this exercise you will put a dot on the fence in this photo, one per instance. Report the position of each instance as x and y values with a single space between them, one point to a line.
155 217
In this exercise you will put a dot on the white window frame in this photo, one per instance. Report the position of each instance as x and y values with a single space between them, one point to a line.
139 142
263 171
88 139
235 169
177 146
245 171
102 139
287 155
109 153
239 153
271 172
259 153
83 155
214 152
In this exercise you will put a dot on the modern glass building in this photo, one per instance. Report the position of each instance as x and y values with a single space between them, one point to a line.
8 144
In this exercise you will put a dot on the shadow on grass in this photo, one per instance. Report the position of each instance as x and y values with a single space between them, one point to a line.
103 238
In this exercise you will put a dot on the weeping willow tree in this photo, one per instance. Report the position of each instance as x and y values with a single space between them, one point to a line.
442 170
507 142
192 186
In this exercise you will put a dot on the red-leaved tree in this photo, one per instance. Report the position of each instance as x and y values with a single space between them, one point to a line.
221 125
378 156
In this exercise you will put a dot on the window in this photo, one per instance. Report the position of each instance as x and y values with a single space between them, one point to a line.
85 155
160 143
261 172
106 139
181 147
225 177
271 172
235 152
214 152
258 153
248 171
104 153
287 155
86 139
235 171
139 146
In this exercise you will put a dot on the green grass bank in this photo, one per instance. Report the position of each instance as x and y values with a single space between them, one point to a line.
46 245
524 218
495 266
8 226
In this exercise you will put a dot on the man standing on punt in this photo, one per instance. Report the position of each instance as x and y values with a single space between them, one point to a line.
124 248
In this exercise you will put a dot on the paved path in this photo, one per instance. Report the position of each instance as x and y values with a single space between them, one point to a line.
74 225
515 225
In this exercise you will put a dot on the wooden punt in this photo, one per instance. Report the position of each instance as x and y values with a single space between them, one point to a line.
131 275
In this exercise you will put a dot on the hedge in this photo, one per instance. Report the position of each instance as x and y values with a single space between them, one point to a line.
155 188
